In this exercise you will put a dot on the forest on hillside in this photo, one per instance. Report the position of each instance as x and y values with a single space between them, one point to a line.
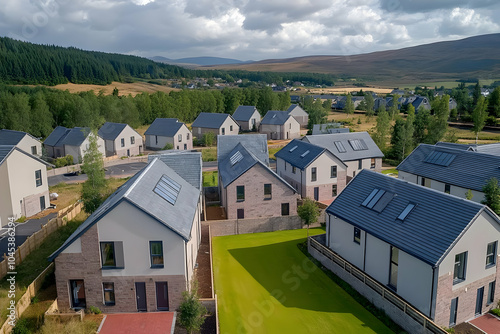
28 63
37 110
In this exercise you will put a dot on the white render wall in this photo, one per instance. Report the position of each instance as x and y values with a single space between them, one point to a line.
79 151
27 142
126 134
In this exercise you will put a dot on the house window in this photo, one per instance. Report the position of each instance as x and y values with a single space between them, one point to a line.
185 146
122 142
187 136
156 139
491 254
38 177
230 128
422 181
313 174
112 255
108 289
372 163
285 209
447 188
460 267
132 140
357 235
223 131
240 193
334 190
491 293
179 137
285 164
268 191
294 170
333 172
33 150
360 164
156 254
393 274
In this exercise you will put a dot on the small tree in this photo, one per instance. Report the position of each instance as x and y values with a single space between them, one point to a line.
93 190
479 116
469 194
208 139
192 312
349 105
308 212
492 195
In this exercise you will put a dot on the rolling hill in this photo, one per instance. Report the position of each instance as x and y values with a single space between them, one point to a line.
473 57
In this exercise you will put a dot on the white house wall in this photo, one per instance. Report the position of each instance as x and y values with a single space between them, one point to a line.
342 241
126 134
377 259
74 247
5 198
28 142
135 229
227 124
158 142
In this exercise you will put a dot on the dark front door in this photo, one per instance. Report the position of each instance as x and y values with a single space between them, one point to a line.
42 203
316 193
128 153
453 311
162 296
140 294
77 294
285 209
240 213
479 300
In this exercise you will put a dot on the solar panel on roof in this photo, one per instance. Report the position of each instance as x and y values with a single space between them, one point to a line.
440 158
369 197
340 147
235 158
293 148
374 197
358 144
167 189
406 211
304 154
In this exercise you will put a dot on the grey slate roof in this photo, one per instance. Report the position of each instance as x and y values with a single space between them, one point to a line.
456 146
55 136
165 127
298 156
256 144
210 120
110 131
428 231
492 149
320 129
328 141
185 163
275 117
138 191
6 150
64 136
244 113
469 170
229 172
12 137
296 110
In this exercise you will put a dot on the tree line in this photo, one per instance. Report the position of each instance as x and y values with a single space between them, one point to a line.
37 110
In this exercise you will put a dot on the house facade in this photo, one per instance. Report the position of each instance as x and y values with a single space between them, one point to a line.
436 251
356 149
278 125
63 141
121 140
248 118
164 131
299 114
452 169
137 251
312 170
250 189
216 123
22 140
24 188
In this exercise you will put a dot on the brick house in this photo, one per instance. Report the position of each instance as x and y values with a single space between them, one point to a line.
437 251
137 251
165 131
75 141
24 190
23 140
250 189
248 118
216 123
452 168
356 149
278 125
121 140
299 114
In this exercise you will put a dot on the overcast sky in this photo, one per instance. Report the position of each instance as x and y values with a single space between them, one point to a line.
245 29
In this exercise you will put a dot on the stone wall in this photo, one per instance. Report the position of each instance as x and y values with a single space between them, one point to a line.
244 226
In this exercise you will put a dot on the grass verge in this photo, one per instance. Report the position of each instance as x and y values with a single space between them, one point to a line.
210 179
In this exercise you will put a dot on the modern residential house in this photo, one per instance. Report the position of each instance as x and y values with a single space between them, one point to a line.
451 170
121 140
312 170
299 114
216 123
22 140
255 144
164 131
322 129
279 125
356 149
24 189
436 251
137 251
248 118
75 141
250 189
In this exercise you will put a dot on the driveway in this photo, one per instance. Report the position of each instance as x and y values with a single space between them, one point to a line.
488 323
138 323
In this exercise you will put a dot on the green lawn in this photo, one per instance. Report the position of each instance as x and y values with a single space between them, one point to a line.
265 284
210 179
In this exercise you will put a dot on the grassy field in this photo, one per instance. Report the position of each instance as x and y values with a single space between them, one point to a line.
209 153
265 284
273 151
210 179
133 88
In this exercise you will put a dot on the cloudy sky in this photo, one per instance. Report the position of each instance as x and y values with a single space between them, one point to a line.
245 29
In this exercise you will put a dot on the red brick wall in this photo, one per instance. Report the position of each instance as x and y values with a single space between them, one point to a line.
86 266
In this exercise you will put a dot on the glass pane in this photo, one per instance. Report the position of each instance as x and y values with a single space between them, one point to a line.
394 275
108 254
395 255
156 248
157 259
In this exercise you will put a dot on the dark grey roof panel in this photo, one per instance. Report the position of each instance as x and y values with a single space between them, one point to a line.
5 151
165 127
255 143
275 117
110 131
11 137
468 169
294 153
185 163
228 171
55 136
427 232
244 113
210 120
75 137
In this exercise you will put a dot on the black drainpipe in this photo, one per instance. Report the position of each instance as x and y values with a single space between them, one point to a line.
432 291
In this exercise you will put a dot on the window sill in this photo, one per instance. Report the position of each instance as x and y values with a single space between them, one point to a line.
492 265
240 200
267 199
111 268
109 304
458 281
158 266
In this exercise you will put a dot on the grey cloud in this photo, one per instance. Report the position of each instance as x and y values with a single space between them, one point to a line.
411 6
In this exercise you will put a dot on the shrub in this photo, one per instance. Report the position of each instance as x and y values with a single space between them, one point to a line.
21 219
168 146
495 311
21 327
192 312
94 310
208 139
63 161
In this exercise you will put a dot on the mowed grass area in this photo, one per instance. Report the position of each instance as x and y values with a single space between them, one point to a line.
265 284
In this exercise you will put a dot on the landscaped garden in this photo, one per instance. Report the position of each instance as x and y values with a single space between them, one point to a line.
265 284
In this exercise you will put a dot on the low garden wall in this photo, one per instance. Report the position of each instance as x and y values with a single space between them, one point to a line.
253 225
52 314
109 161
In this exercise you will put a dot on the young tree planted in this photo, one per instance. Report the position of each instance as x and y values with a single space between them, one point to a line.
308 212
492 195
369 104
349 105
94 189
192 312
479 116
382 129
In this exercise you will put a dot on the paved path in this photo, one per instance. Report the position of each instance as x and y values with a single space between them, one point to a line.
138 323
487 323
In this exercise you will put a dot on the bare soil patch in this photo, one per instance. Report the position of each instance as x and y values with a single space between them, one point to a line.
123 88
